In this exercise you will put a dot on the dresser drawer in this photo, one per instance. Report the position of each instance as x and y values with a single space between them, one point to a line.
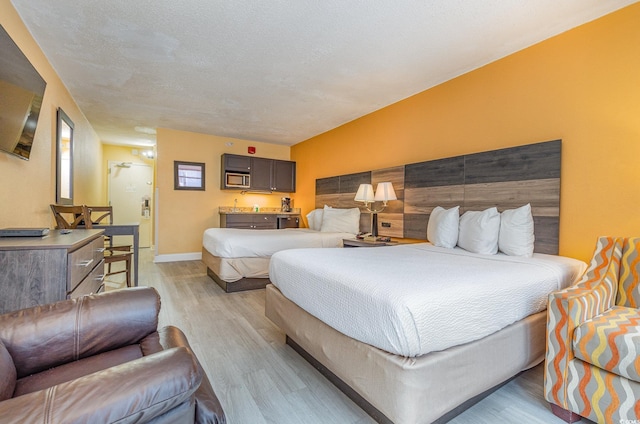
82 261
91 284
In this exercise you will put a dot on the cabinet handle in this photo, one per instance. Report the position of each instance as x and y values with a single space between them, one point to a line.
85 263
100 278
100 250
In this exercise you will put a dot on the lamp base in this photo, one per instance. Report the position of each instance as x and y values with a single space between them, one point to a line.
374 225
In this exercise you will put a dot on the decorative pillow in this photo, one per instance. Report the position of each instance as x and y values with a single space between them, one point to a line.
442 229
336 220
516 232
314 218
479 231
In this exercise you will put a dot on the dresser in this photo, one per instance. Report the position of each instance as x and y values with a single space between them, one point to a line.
39 270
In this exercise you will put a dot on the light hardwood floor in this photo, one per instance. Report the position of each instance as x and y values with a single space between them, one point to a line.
259 379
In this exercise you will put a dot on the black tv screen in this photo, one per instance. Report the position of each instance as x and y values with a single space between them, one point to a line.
21 92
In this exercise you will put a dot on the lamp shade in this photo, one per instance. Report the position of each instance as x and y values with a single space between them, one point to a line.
365 193
385 192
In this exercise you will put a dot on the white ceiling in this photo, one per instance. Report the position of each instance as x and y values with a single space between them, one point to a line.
278 71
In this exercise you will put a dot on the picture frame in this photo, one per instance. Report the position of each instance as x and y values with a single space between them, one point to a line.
188 175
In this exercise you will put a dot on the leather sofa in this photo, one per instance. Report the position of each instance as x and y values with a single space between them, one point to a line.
101 359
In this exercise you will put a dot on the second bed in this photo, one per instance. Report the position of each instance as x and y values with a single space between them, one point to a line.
412 332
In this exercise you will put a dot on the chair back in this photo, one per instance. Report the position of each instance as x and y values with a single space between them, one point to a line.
629 280
101 213
70 217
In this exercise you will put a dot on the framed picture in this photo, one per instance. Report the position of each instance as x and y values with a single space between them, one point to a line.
188 175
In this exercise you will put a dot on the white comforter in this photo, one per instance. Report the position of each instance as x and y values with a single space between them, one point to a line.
241 243
414 299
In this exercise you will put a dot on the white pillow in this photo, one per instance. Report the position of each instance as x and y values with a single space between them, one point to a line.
336 220
516 232
479 231
314 218
442 229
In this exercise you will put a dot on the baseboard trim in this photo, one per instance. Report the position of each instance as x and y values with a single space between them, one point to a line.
177 257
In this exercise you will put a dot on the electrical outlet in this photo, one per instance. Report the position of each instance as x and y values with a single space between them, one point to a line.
386 224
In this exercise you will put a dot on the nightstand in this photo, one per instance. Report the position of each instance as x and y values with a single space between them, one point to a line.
368 243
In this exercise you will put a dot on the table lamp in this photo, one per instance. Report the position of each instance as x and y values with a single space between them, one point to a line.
384 192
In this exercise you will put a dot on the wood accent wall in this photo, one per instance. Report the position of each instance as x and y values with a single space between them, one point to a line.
505 178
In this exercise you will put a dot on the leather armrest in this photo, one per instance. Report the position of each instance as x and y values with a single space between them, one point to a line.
208 407
46 336
136 391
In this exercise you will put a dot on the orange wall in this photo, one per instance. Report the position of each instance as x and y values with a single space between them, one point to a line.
183 215
582 86
28 187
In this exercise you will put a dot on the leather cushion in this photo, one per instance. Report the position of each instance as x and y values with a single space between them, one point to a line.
50 335
7 374
76 369
611 341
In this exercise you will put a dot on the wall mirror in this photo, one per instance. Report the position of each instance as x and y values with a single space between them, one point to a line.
188 175
64 164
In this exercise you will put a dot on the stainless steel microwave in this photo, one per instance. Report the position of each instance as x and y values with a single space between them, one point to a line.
236 180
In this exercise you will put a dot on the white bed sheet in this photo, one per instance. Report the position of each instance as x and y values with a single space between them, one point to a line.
242 243
413 299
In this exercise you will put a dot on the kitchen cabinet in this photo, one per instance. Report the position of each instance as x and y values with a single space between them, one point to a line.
266 174
273 175
249 221
236 163
259 221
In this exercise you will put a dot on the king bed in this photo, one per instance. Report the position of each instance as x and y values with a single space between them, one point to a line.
417 333
415 330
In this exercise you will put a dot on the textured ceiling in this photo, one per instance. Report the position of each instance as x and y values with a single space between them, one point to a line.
278 71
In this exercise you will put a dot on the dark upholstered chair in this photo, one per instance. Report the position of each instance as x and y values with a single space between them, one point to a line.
100 359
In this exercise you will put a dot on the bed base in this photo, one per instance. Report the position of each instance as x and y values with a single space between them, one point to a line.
373 412
431 388
247 283
240 285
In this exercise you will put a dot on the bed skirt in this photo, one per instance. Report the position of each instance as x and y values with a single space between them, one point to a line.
412 390
237 274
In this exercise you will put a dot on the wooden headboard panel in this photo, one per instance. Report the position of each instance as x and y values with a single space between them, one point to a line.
505 178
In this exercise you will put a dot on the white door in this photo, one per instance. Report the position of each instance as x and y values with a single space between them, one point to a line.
131 195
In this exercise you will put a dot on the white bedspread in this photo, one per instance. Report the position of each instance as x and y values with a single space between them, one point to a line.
241 243
414 299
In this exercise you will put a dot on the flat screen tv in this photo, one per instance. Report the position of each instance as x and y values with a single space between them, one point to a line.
21 92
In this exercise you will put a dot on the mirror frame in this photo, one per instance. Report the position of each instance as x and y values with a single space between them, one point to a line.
194 166
63 119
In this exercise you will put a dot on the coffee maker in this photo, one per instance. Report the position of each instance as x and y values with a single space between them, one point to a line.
286 204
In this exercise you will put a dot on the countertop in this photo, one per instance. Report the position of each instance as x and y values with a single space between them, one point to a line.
230 210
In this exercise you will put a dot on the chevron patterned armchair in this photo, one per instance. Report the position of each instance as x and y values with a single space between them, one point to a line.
592 364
